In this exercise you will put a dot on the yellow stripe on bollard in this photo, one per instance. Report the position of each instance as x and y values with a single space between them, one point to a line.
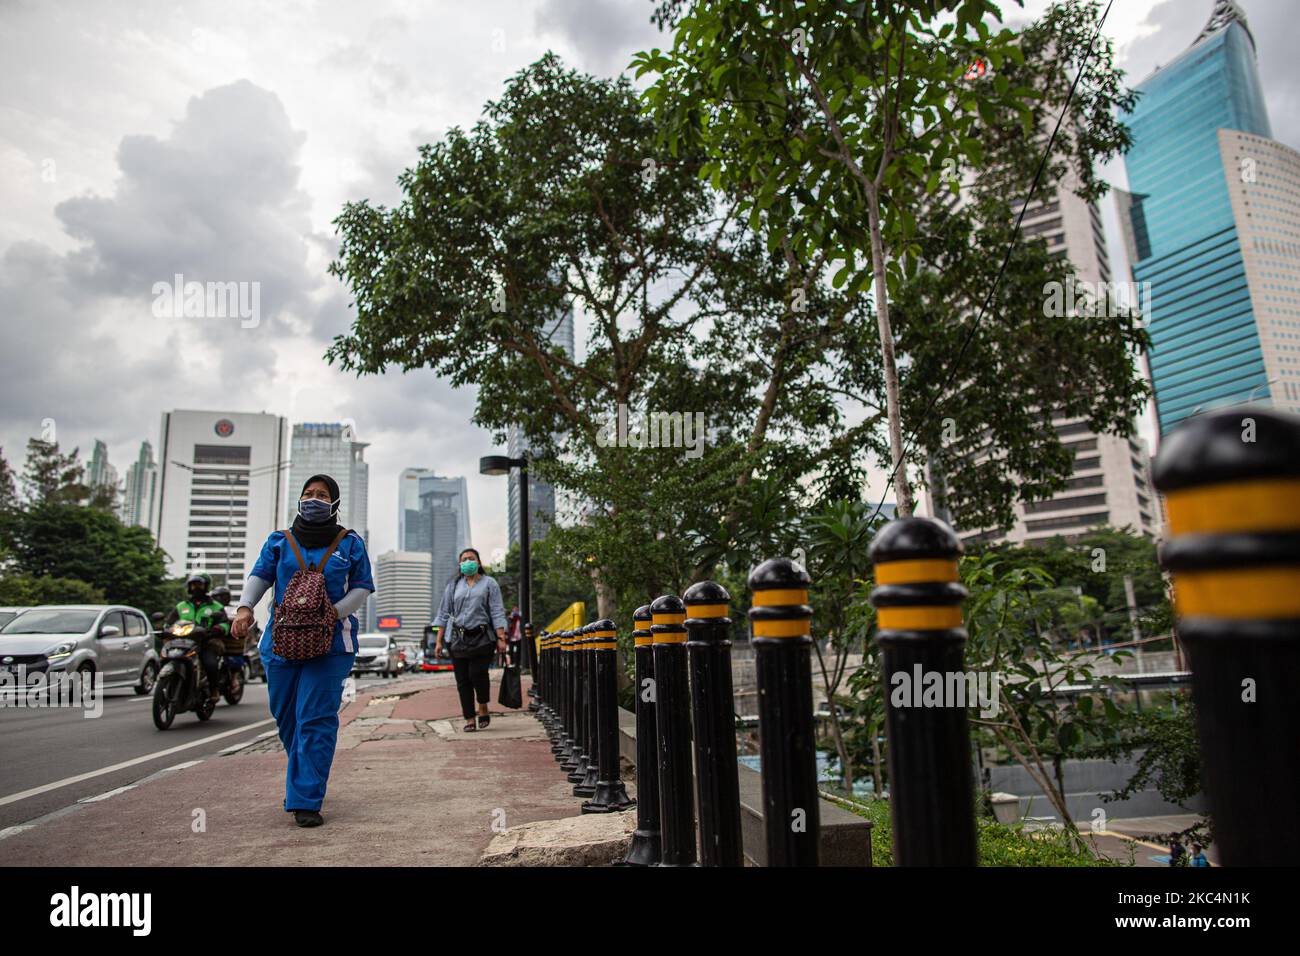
1238 593
669 637
640 641
792 628
919 571
918 618
706 610
1266 504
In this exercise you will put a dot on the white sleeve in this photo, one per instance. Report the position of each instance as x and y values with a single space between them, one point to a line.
254 588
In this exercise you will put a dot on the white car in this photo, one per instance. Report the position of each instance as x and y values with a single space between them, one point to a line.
377 653
7 614
113 641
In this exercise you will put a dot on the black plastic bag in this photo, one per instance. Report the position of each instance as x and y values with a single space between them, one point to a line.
512 692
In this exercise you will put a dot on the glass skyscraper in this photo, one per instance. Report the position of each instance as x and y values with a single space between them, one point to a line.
1189 223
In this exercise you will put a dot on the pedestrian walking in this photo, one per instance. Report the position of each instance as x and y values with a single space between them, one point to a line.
514 638
1198 856
324 570
1177 852
470 613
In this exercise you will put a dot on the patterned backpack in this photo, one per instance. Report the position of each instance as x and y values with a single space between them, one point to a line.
305 617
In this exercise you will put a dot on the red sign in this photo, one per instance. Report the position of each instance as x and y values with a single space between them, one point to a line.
389 622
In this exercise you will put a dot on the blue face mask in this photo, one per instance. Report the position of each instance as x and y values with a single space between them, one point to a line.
315 511
469 568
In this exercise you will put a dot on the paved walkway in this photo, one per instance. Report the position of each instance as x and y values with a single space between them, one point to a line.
408 788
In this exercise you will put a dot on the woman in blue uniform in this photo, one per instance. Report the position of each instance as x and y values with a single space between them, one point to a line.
305 694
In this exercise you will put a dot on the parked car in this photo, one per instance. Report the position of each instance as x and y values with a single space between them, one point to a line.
112 640
377 653
7 614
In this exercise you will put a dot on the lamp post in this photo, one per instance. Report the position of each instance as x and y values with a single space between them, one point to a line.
501 465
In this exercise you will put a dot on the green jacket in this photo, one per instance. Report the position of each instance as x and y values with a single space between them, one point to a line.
209 614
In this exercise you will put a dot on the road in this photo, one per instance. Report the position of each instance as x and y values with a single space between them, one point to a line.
53 757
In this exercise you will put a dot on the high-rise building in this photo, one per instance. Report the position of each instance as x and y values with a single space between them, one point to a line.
1212 222
100 474
1110 482
434 519
141 488
331 448
541 495
404 588
220 490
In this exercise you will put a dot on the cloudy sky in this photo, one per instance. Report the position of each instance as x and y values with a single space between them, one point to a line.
218 139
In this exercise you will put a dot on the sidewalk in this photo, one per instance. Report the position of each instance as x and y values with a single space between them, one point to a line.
407 788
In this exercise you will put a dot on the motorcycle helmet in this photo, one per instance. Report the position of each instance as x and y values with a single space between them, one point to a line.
221 595
198 583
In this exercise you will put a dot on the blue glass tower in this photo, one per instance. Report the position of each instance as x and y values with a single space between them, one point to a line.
1183 236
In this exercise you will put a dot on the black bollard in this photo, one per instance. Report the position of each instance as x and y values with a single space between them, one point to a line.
646 848
571 748
579 729
713 715
586 787
672 731
781 624
561 684
611 794
1231 480
919 630
530 652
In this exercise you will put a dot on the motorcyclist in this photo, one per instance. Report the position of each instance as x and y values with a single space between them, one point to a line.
206 612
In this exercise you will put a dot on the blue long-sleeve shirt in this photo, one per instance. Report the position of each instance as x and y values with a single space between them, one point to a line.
472 606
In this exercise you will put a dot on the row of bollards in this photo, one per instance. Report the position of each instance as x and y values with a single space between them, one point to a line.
1233 484
686 722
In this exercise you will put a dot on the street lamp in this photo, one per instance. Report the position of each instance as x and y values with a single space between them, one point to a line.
501 465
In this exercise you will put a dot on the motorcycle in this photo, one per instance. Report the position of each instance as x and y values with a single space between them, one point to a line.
182 684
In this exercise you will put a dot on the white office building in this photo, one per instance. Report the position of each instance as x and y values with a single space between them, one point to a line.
404 588
220 490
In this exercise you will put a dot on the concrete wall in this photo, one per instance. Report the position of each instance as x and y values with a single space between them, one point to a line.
1085 781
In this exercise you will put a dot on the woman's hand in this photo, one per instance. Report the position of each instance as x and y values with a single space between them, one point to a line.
243 621
501 639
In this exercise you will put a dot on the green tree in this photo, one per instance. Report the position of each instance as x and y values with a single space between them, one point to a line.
561 197
8 488
823 115
24 590
65 541
51 477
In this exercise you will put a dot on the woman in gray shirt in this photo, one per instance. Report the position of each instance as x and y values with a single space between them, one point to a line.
470 611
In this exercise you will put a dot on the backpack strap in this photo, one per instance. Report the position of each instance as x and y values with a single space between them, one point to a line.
296 553
330 550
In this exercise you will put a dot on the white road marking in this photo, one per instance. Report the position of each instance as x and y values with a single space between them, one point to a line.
68 781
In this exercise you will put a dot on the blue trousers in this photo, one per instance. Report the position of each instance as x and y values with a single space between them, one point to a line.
305 698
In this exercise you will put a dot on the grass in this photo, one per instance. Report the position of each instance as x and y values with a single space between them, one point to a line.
997 843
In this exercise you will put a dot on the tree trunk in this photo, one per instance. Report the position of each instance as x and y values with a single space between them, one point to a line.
902 486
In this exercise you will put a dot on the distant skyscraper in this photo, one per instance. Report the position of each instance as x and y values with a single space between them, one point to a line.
1212 221
141 488
331 448
541 496
100 474
434 519
403 587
